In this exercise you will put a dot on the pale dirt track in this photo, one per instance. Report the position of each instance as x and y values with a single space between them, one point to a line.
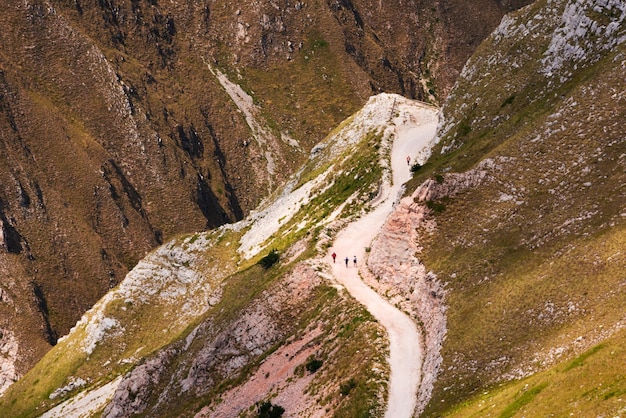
406 356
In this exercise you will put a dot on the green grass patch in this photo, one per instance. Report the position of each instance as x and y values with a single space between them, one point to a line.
524 399
580 360
595 387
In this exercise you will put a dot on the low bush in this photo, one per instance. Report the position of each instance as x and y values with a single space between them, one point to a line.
269 260
267 410
436 207
313 364
347 386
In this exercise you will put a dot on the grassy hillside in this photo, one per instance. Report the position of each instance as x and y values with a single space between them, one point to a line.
116 135
590 384
532 256
529 245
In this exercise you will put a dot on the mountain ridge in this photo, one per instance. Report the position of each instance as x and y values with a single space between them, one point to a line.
511 261
126 324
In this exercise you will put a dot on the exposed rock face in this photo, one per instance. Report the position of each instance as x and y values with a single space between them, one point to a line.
398 273
130 396
209 355
448 186
8 357
8 345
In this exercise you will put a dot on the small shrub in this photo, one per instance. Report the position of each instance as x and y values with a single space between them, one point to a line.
439 178
436 207
347 386
299 370
267 410
464 128
269 260
313 364
320 43
415 167
508 101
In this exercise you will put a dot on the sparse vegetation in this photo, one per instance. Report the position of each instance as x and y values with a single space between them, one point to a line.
525 398
436 207
532 258
346 387
561 389
516 252
508 100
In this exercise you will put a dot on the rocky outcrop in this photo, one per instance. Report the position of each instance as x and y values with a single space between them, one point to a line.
137 386
190 369
397 272
8 357
8 350
10 239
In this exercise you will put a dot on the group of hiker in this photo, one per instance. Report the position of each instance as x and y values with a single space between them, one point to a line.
347 259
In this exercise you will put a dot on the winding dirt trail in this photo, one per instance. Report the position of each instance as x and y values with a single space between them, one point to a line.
406 353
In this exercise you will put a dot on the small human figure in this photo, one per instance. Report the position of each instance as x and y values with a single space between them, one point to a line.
354 260
334 256
408 160
347 259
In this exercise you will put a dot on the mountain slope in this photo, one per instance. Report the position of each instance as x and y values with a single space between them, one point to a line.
527 198
507 250
199 317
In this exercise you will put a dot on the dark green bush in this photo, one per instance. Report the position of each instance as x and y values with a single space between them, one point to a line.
508 101
269 260
464 128
267 410
347 386
436 207
313 364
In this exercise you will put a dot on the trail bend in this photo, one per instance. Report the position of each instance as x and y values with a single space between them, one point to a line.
405 342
